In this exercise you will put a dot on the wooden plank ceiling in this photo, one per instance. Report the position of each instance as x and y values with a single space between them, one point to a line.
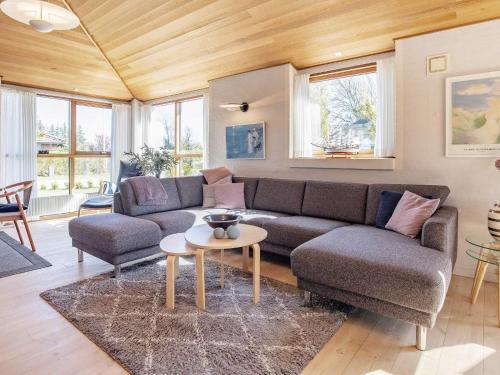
61 60
164 47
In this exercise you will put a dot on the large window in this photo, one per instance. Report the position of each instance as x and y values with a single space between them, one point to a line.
178 126
343 112
73 145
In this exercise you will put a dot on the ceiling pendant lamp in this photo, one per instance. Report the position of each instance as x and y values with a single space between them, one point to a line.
41 15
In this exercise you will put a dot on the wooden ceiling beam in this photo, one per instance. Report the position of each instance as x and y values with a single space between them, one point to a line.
93 41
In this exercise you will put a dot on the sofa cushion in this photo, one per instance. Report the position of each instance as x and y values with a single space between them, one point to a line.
214 175
293 231
190 190
172 221
114 233
376 263
374 191
230 196
335 200
129 204
411 213
279 195
259 217
173 201
250 188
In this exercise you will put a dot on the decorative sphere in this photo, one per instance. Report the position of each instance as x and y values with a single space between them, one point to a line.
219 233
233 232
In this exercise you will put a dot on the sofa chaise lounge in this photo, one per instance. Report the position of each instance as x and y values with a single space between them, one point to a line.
326 228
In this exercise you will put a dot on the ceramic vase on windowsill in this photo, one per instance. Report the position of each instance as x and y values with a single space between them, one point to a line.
494 216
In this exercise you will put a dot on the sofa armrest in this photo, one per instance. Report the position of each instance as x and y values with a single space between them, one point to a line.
117 203
440 231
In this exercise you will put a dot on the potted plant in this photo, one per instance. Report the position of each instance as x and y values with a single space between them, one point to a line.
153 161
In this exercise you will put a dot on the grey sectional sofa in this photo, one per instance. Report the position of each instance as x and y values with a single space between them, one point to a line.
327 228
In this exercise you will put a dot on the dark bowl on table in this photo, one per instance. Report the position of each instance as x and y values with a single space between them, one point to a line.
223 221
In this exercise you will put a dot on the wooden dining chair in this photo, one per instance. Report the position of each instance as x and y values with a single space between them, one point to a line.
14 211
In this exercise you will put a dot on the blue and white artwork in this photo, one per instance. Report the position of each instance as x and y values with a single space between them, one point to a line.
473 115
247 141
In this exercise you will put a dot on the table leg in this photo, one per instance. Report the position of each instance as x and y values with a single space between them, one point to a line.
246 258
200 278
176 267
476 274
256 273
475 278
222 268
170 282
480 276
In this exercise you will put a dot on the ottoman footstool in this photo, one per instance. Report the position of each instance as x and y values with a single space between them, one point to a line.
115 238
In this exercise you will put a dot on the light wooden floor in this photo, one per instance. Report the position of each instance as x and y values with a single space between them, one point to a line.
34 339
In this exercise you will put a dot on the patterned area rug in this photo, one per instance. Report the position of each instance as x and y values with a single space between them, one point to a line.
16 258
126 317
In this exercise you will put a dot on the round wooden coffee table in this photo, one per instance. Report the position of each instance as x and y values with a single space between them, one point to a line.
201 237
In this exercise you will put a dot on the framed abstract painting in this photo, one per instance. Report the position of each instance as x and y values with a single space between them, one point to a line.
246 141
473 115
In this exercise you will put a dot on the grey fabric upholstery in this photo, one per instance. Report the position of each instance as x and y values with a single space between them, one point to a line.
268 247
172 221
279 195
406 314
293 231
117 203
250 189
173 201
129 202
190 190
376 263
440 231
259 217
335 200
374 190
114 233
117 258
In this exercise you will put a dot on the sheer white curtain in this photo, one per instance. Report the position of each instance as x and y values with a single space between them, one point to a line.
386 108
17 136
121 119
301 117
141 117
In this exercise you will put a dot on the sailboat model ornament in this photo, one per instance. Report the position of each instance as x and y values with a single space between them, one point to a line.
338 144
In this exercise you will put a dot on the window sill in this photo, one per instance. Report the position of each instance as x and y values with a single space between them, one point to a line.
381 164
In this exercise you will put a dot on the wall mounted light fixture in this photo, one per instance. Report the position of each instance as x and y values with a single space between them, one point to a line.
243 107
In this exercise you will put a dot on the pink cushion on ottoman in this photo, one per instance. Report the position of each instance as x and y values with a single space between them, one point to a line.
411 213
215 174
230 196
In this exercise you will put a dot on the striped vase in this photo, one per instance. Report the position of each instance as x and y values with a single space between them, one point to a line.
494 221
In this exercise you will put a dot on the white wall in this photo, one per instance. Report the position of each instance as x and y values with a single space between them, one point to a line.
474 182
268 93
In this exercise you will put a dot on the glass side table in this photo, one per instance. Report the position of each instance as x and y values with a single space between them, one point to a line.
486 251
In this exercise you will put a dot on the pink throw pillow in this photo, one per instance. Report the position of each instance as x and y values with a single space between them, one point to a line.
215 174
208 192
230 196
411 213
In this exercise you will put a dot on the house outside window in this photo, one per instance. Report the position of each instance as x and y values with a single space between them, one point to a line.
343 112
179 127
73 146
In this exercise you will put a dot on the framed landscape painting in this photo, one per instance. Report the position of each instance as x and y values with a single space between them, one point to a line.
246 141
473 115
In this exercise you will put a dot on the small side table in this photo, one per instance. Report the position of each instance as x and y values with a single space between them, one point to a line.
173 247
486 251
